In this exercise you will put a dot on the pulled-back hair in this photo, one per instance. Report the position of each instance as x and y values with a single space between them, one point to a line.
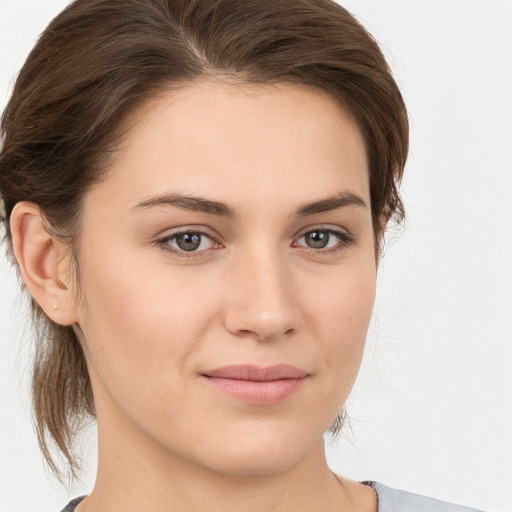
99 59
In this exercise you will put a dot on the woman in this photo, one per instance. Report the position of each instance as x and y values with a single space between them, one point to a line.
203 293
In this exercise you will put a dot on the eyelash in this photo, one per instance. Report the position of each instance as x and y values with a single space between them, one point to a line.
344 238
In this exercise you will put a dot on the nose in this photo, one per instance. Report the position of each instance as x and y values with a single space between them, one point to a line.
261 300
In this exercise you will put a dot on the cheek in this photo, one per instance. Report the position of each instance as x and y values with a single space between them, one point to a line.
339 315
142 323
342 301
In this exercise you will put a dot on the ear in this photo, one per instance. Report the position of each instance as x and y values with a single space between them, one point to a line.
43 262
384 218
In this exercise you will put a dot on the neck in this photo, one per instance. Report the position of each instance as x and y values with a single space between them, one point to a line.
127 483
134 474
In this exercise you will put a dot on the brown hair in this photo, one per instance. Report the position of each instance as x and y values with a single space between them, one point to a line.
99 59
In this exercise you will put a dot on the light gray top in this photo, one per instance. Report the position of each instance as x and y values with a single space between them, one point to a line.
390 500
394 500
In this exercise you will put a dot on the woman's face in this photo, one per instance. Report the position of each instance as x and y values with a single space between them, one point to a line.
228 270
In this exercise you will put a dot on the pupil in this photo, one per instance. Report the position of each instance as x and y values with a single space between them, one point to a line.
188 241
317 239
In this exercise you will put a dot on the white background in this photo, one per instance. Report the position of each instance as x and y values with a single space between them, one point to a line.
432 409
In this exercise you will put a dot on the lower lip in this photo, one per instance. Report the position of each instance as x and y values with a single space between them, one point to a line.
257 392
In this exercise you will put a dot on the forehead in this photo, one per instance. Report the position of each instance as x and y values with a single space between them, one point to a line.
232 140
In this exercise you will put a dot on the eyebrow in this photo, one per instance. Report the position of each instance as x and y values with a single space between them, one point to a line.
201 204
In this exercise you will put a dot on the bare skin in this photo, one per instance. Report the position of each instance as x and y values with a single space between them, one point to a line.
203 249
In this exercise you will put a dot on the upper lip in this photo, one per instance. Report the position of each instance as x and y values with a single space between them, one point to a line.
257 373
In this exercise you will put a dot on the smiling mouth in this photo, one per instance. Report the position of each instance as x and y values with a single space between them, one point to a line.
257 385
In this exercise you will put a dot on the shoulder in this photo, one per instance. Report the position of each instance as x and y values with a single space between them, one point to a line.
72 504
395 500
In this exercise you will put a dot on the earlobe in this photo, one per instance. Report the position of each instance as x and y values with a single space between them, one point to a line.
39 258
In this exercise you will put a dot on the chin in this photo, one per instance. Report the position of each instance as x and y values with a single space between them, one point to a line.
259 450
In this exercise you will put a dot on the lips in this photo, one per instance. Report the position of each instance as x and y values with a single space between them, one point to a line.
258 374
257 385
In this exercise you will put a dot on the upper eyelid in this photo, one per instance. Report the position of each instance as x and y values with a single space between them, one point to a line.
326 227
170 232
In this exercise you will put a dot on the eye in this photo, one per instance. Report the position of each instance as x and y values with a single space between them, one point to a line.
187 242
326 239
